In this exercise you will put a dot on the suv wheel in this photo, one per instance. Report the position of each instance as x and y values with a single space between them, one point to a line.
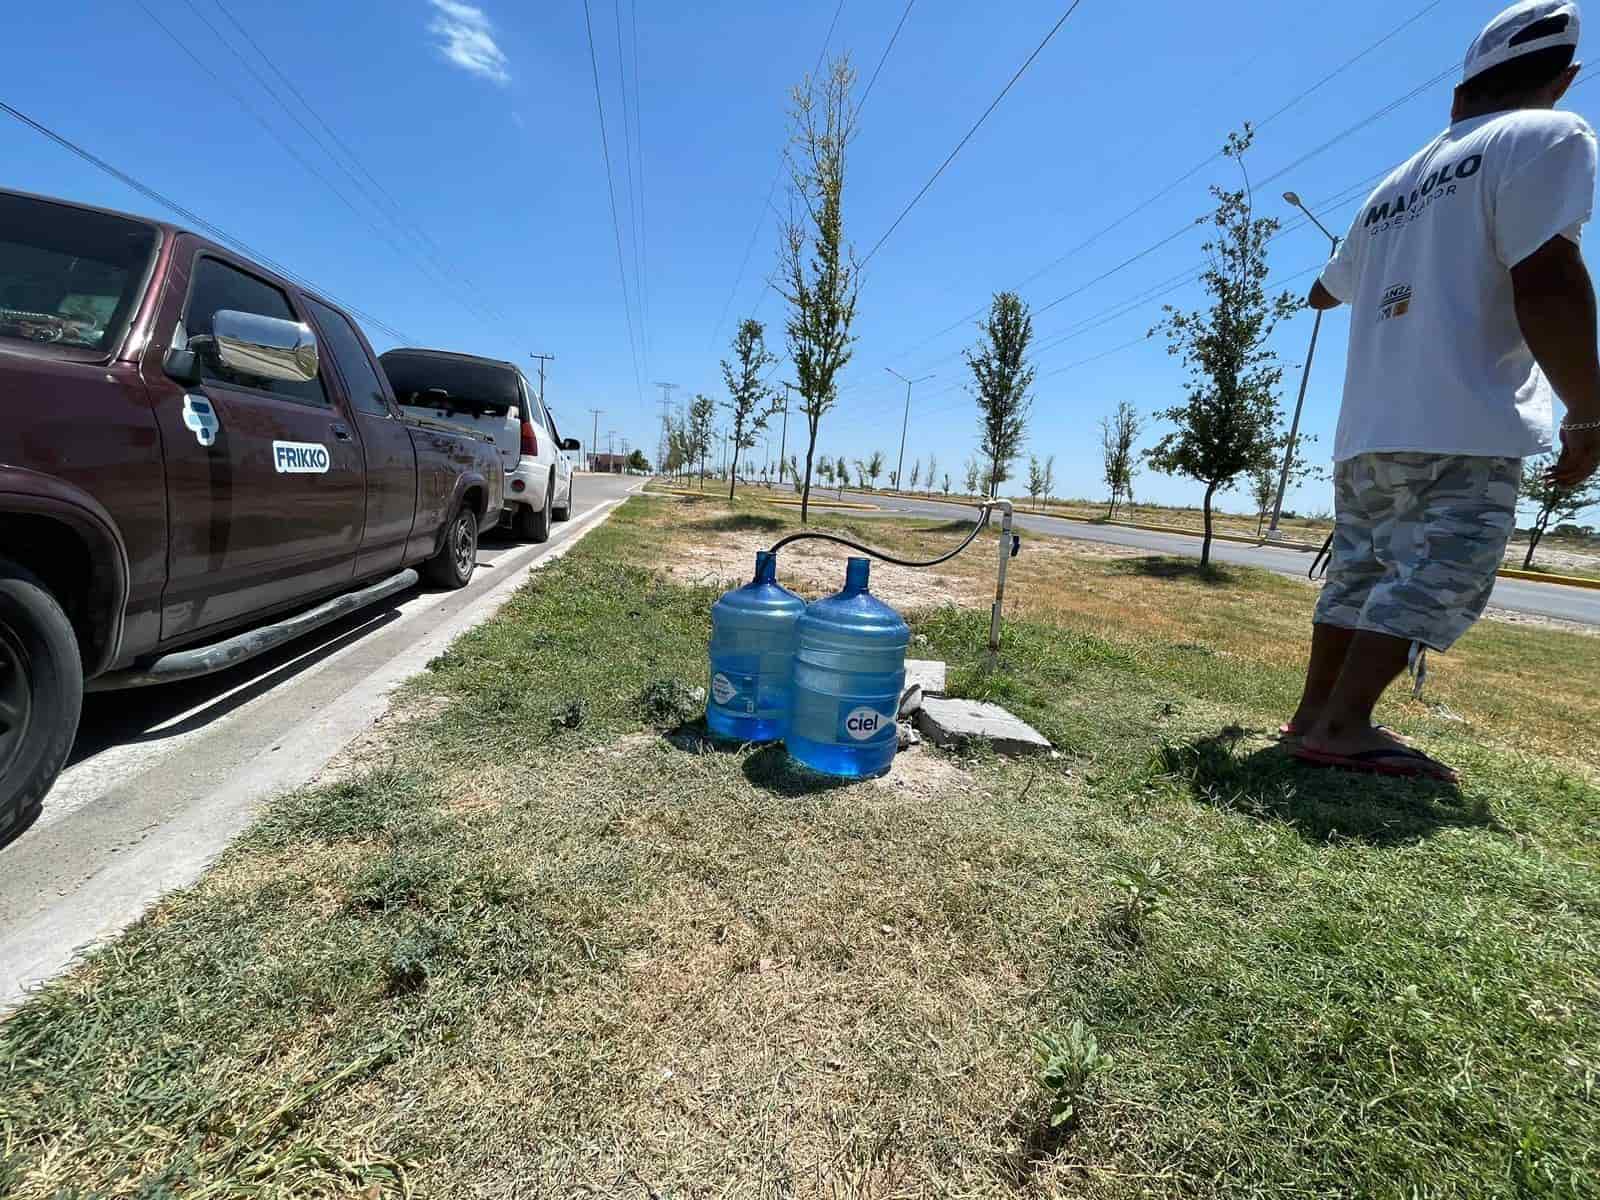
41 695
564 513
533 524
452 567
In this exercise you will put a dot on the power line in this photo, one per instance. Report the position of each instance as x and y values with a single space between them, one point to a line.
761 217
216 232
627 156
993 104
611 195
884 57
450 270
638 148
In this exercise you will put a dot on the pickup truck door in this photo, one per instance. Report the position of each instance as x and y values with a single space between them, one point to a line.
270 510
386 446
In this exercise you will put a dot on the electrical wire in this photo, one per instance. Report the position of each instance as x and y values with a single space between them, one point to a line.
993 104
627 156
807 535
611 195
638 149
194 219
884 57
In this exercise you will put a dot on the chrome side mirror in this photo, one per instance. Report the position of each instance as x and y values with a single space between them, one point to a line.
263 347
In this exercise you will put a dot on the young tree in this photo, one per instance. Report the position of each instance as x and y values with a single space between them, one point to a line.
875 467
1118 433
794 472
933 471
1552 504
749 399
947 483
1035 479
916 473
1228 424
1001 379
817 273
861 475
1263 482
894 481
702 411
841 472
972 477
825 470
1049 476
638 462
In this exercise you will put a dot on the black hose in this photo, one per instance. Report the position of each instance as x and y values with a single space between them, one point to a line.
1322 559
983 522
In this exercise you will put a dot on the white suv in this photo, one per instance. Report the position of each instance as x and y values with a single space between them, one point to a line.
494 398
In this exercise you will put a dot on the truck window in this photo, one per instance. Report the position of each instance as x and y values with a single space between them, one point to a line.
344 346
218 286
69 277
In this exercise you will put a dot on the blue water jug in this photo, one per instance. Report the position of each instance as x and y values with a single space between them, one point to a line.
752 657
849 671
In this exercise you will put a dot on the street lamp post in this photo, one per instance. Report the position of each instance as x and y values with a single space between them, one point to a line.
1305 378
899 471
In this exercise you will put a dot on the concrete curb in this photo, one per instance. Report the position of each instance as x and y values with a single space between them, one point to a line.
142 872
1577 581
815 503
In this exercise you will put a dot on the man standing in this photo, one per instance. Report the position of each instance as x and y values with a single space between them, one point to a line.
1471 307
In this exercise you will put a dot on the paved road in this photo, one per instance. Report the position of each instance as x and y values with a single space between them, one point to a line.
1540 599
162 778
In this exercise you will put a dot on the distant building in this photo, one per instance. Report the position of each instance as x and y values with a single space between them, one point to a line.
610 463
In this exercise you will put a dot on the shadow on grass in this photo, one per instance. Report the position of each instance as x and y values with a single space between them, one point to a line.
772 770
739 523
1319 803
1157 566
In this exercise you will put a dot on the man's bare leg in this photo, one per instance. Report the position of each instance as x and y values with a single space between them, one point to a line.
1329 646
1372 662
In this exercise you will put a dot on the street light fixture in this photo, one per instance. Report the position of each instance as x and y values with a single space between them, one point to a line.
1305 378
899 471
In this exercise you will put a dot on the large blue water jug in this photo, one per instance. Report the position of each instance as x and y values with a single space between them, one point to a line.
849 671
752 657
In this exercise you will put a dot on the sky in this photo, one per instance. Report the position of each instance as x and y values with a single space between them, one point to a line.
439 166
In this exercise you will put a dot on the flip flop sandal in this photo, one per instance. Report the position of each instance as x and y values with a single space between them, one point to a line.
1395 762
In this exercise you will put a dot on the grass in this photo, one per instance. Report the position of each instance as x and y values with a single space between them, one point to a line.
533 947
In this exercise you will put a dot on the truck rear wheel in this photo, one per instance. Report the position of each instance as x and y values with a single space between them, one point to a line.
452 567
533 524
41 695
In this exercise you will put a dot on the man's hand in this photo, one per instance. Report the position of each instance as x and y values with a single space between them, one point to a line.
1580 456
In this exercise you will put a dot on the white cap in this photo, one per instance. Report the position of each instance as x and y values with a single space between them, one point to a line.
1524 28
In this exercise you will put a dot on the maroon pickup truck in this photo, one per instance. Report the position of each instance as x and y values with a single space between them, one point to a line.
198 461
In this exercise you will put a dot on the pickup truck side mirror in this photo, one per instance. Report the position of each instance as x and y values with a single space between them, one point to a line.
570 443
253 345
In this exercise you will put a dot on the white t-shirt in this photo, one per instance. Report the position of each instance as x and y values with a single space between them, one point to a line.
1437 362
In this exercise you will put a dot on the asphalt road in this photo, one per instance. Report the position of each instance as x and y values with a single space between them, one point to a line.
162 778
1517 595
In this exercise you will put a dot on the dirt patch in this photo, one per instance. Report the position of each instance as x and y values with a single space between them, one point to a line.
920 773
377 743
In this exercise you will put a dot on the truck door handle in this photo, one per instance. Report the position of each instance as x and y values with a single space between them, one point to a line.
341 432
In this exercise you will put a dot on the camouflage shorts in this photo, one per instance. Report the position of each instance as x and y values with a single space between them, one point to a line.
1416 542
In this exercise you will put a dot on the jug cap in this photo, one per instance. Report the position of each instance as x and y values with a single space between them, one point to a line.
766 567
855 575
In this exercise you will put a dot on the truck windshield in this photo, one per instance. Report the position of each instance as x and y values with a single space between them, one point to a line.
68 277
469 385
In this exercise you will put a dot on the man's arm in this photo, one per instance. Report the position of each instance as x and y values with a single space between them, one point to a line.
1321 298
1556 310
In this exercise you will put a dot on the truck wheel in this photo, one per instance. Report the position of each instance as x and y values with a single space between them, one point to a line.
564 513
452 567
41 695
533 525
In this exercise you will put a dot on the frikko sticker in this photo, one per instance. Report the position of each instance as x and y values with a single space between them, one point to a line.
300 458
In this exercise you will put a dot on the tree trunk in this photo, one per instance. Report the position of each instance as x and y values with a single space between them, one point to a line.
1535 535
805 495
1111 508
1205 546
733 473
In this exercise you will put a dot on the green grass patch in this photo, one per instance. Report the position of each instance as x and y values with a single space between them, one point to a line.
549 941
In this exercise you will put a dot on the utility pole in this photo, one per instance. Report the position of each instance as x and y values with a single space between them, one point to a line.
783 441
594 436
899 471
666 408
543 358
611 448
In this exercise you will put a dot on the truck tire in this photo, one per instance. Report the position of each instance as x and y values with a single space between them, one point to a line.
533 525
452 567
564 513
41 695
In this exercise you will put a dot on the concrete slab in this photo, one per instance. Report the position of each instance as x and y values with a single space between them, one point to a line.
952 722
926 673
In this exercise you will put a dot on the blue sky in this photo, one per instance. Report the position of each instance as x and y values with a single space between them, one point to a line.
492 232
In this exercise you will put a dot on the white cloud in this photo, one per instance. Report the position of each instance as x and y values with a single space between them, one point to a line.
467 39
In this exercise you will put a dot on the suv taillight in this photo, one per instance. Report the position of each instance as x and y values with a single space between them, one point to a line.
530 441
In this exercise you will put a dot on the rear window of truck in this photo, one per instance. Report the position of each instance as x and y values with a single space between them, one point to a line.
484 387
69 278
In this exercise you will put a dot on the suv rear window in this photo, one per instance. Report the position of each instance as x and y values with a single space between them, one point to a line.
69 277
478 385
